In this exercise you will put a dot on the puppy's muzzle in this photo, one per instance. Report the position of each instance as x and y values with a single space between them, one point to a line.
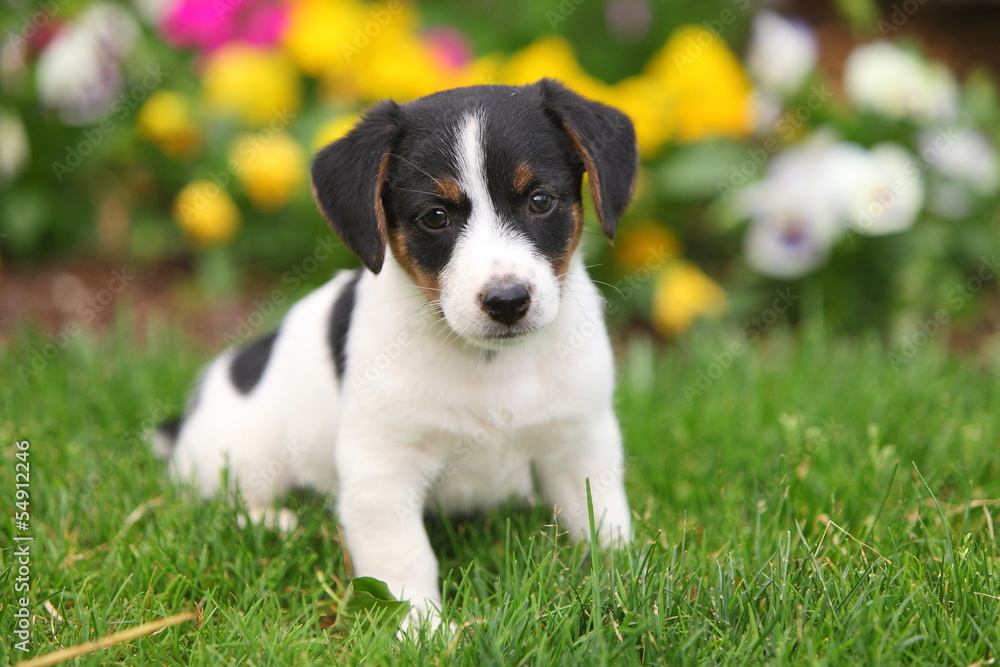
506 303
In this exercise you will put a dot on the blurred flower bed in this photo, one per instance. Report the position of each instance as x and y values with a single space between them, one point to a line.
172 128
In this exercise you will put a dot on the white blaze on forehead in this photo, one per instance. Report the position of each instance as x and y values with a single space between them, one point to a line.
489 249
487 242
472 168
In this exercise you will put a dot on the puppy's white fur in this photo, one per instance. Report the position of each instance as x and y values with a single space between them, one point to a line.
431 410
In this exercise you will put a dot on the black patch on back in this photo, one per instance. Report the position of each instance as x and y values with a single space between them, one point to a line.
248 365
340 323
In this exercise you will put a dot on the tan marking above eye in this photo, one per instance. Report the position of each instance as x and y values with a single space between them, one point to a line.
447 188
523 176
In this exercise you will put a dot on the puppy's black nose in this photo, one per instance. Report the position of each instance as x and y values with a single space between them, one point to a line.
506 303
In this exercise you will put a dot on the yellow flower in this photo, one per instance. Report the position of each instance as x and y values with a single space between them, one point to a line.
395 61
553 57
270 166
334 129
368 51
261 87
397 65
707 90
166 120
683 294
483 70
206 213
320 34
643 99
639 245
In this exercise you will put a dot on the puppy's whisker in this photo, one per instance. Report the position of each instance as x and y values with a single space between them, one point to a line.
421 170
614 287
424 287
403 298
575 303
419 192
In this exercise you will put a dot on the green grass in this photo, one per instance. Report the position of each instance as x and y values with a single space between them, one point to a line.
814 504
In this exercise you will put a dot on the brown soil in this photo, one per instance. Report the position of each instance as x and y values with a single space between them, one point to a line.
95 296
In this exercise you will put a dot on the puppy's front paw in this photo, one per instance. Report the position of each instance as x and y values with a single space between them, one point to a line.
283 520
615 535
424 613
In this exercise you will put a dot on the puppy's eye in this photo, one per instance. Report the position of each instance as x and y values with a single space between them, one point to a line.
541 203
435 219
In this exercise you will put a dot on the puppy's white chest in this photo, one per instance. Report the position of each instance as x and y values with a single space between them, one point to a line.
482 470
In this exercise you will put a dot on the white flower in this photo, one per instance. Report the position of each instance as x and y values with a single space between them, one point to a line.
815 190
825 173
781 54
785 246
14 148
892 199
793 212
964 155
965 163
78 73
887 80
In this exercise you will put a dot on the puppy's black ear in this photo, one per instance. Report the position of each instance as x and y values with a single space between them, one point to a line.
347 180
605 141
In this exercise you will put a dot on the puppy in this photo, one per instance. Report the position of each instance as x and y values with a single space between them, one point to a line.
466 365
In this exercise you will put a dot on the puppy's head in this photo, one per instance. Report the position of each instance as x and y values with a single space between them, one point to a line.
476 193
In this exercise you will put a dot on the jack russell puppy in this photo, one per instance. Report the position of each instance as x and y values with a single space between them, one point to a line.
467 364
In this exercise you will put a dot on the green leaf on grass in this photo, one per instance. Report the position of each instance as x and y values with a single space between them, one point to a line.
368 600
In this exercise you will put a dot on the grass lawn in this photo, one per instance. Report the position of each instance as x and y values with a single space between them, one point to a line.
817 501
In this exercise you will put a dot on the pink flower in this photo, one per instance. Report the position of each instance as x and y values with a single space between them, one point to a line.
265 24
206 25
449 48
